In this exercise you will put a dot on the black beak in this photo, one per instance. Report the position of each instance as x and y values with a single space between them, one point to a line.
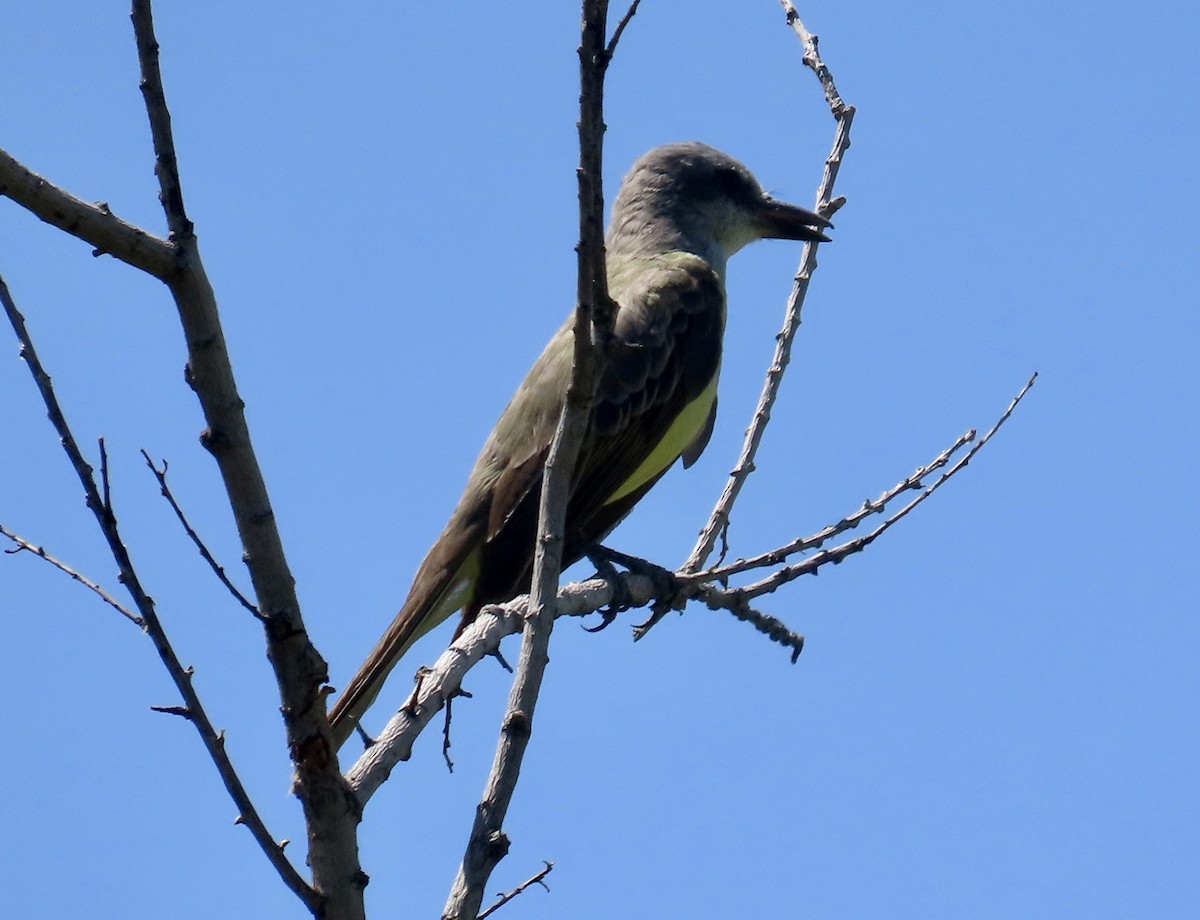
782 221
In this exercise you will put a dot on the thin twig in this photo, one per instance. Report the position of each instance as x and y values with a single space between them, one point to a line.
536 879
718 522
181 676
838 553
217 568
738 604
611 48
166 165
446 732
24 545
182 711
849 522
737 600
812 58
106 488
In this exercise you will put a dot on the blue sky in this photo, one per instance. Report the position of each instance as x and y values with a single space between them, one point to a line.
995 714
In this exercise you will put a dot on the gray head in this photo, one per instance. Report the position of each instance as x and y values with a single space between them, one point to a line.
692 197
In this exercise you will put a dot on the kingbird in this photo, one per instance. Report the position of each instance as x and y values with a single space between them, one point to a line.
681 212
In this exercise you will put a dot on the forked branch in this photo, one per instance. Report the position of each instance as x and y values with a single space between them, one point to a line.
720 517
300 671
99 501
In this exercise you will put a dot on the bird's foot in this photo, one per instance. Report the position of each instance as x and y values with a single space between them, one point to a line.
667 590
621 599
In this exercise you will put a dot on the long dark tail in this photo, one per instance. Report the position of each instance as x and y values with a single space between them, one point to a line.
443 584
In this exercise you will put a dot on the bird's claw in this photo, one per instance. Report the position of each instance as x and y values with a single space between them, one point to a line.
621 599
607 615
667 589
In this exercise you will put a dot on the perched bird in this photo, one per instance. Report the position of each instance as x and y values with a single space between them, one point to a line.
681 212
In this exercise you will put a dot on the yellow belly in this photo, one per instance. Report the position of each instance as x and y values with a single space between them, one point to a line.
683 431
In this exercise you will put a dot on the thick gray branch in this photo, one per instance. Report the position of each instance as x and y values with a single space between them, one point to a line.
93 223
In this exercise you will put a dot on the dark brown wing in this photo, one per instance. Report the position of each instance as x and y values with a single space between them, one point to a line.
667 351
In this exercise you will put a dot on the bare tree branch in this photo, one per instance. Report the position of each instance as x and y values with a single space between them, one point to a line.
23 545
719 520
849 522
594 313
217 568
838 553
166 166
93 223
300 671
442 680
101 507
812 60
536 879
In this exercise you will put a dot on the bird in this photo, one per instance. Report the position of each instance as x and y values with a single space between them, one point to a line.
680 213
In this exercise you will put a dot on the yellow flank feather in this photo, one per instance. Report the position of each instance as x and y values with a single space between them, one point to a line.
683 431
